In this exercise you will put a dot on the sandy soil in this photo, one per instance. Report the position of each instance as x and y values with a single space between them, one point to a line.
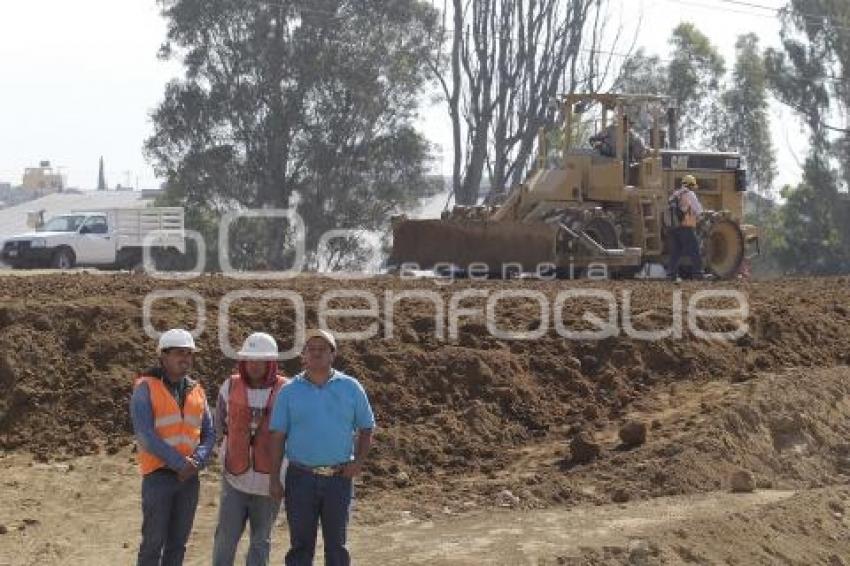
87 512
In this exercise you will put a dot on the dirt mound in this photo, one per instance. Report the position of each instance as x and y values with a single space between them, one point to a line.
807 528
464 418
788 429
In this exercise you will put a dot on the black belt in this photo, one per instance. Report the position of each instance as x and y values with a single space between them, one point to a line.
163 471
324 471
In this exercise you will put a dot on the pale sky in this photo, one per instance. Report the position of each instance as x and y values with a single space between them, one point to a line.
79 79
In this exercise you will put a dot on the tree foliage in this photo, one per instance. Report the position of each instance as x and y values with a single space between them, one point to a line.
642 73
745 110
808 236
810 75
692 77
695 75
295 103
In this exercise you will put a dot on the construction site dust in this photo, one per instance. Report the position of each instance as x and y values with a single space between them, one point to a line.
476 434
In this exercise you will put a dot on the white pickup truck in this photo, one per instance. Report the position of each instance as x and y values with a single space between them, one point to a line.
108 238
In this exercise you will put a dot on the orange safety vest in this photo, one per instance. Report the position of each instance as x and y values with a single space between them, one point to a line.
237 458
179 429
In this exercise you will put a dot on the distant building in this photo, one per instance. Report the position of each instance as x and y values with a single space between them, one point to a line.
42 179
152 193
101 177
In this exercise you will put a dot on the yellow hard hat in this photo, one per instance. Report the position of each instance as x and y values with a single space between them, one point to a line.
689 181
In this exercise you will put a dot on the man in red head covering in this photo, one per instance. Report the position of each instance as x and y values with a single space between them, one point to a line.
243 410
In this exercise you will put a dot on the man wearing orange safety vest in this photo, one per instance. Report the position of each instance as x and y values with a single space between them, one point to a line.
243 411
175 437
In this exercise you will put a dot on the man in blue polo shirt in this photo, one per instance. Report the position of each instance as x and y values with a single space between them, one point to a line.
314 422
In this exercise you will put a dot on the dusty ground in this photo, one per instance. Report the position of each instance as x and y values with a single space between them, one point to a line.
65 519
477 458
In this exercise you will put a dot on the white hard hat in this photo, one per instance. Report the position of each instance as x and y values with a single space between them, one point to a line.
324 335
259 346
176 338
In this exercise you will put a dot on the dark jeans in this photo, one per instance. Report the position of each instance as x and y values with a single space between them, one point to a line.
683 242
168 510
309 499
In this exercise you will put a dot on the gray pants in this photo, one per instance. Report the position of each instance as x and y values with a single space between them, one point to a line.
235 508
168 510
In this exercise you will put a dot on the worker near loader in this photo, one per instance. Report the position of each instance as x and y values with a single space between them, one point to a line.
174 436
242 418
685 210
314 422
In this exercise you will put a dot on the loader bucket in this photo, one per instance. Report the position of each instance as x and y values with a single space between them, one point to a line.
430 243
724 249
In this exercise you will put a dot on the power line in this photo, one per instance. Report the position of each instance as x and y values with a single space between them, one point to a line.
716 8
814 19
751 5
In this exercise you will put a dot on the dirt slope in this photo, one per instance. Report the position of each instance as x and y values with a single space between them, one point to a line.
69 346
476 423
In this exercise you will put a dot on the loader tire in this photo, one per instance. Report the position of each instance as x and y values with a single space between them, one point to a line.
723 249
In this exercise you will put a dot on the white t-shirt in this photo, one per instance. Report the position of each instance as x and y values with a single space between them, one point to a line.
251 481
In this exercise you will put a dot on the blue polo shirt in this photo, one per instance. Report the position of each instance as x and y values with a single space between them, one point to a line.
320 422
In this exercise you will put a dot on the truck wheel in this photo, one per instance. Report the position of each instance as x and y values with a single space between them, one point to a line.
63 259
173 260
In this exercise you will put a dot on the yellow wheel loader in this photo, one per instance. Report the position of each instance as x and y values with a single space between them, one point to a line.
599 207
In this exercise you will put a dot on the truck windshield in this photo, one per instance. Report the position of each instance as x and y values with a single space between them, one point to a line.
63 224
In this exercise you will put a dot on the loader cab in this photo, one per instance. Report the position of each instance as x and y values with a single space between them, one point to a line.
623 148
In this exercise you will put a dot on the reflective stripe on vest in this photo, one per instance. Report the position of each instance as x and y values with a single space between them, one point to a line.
238 456
166 421
179 439
180 430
